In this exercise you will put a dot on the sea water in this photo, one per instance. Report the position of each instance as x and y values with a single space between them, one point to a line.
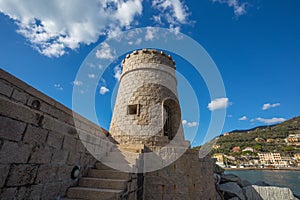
281 178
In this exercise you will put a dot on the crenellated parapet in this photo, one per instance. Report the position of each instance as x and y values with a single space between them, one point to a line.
147 56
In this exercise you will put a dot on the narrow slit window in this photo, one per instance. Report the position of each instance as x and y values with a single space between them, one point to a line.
133 109
167 125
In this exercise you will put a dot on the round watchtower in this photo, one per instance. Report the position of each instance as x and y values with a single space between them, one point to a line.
147 109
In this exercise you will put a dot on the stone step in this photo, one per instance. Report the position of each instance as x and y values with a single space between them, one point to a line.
100 165
108 173
124 167
93 193
119 158
118 161
136 148
117 184
124 154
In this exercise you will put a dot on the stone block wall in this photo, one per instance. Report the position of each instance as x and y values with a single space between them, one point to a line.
134 187
39 144
148 83
189 177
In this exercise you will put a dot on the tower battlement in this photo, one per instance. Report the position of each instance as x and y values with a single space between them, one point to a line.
146 56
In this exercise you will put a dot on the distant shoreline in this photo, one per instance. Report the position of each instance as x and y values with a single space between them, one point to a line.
270 169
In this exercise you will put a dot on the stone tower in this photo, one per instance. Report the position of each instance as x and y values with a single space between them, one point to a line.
147 109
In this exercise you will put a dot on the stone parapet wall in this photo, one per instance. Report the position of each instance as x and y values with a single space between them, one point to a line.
189 177
39 144
134 188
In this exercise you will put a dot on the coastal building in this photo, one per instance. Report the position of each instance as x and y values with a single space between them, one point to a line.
236 149
254 161
259 140
271 140
292 138
297 156
287 161
219 157
230 161
226 134
297 159
229 158
269 158
248 149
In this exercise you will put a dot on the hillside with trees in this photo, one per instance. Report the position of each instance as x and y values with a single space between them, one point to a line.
261 139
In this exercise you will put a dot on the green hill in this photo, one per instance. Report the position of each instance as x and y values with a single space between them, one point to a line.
262 139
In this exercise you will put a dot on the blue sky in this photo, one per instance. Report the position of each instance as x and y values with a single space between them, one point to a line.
255 45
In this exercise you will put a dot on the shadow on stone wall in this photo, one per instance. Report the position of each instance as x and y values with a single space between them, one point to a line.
39 143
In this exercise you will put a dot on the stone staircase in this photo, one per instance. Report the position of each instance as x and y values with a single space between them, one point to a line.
105 183
101 183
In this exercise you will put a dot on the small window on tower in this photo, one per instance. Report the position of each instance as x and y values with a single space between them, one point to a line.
133 109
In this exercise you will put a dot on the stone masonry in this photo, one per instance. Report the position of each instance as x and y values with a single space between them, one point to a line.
148 84
40 145
187 178
147 112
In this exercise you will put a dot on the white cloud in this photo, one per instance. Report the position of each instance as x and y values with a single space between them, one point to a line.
158 19
117 72
269 121
136 42
174 11
58 86
103 81
243 118
150 34
189 124
127 10
77 83
55 27
239 8
219 103
91 65
91 76
100 66
105 52
192 124
268 105
175 29
103 90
